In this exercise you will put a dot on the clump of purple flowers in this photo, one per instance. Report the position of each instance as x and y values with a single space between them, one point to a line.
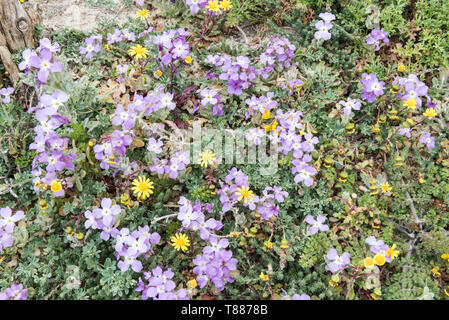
372 87
237 72
215 264
159 286
7 225
323 26
14 292
42 60
47 143
172 47
279 53
261 104
193 218
412 87
103 218
300 145
377 37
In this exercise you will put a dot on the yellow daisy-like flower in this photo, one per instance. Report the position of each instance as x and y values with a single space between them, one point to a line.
392 252
368 262
180 242
142 14
430 113
379 259
213 6
138 52
410 103
207 158
188 60
445 256
263 276
56 186
385 187
244 193
142 187
225 5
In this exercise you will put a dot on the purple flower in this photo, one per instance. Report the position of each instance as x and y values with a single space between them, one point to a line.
316 224
155 145
44 64
405 132
300 297
323 28
337 262
14 292
6 93
378 36
351 104
327 16
428 140
8 220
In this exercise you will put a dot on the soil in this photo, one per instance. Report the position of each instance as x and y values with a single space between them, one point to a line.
82 15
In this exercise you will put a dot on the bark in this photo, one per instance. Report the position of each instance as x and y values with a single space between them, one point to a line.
16 32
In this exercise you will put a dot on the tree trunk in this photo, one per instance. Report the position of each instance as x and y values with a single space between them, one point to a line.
16 32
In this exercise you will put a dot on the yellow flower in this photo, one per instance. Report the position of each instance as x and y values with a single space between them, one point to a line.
188 60
207 158
43 205
143 14
284 244
392 253
385 187
430 113
268 244
401 67
158 73
266 114
107 47
446 292
192 284
264 277
56 186
213 6
379 259
368 262
143 187
180 242
376 128
244 194
374 296
138 52
225 5
445 256
435 272
410 103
